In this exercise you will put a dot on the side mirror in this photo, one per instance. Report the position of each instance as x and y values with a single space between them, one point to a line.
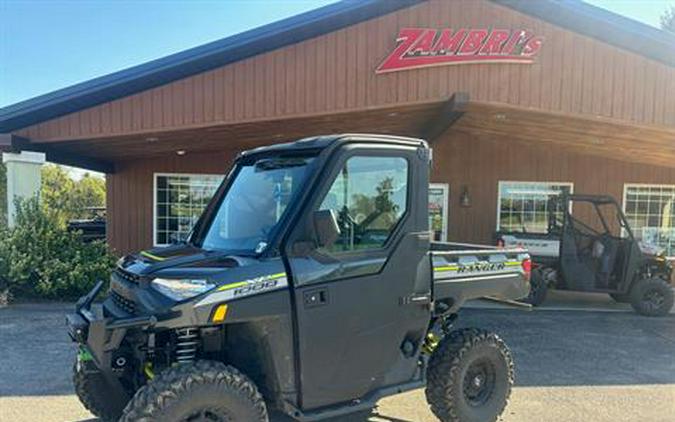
326 227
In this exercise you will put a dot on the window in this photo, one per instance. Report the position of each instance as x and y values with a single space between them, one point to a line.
255 202
368 197
438 211
650 211
523 206
179 201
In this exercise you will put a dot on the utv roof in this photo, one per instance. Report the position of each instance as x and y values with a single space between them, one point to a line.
325 141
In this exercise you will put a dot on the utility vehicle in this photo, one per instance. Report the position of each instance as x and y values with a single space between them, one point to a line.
310 287
594 250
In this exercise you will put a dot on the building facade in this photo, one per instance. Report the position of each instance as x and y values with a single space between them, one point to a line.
519 100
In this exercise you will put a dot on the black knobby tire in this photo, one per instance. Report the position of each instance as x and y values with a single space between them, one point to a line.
204 390
470 376
92 390
652 297
538 289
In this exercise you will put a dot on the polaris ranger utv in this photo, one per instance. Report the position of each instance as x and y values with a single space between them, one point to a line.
594 250
309 287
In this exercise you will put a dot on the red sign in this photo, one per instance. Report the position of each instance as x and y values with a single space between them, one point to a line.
424 47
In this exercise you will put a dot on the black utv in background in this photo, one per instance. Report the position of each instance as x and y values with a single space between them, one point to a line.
595 250
309 287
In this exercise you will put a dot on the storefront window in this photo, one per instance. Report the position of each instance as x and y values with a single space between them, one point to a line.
179 201
438 211
523 206
650 210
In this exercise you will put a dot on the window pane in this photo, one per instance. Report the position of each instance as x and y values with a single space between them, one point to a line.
650 210
180 200
368 197
523 206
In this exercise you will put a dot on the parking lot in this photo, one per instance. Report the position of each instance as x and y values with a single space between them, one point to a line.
599 363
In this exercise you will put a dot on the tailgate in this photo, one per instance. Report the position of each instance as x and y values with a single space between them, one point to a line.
472 274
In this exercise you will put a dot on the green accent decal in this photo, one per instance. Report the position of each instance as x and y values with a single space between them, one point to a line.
83 354
450 268
151 256
245 282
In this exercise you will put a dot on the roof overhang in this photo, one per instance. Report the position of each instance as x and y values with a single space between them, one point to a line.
608 138
599 136
421 119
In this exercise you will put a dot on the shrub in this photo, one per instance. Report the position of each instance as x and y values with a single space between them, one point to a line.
39 257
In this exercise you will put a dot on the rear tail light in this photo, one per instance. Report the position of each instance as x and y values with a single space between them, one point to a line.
527 268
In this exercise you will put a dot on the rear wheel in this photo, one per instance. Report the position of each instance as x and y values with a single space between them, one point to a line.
538 288
652 297
93 392
200 391
470 377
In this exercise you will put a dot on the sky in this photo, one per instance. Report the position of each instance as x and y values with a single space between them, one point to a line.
51 44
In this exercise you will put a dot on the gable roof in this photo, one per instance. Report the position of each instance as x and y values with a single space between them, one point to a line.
574 15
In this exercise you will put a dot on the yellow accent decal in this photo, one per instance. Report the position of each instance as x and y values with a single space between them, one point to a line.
232 286
147 369
451 268
220 314
151 256
243 283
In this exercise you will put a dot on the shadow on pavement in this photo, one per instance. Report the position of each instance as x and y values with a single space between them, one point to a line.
551 348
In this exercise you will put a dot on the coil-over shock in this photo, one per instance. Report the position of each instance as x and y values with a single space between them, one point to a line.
187 344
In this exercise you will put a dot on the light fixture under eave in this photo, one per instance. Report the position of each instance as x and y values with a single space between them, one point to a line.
151 139
181 152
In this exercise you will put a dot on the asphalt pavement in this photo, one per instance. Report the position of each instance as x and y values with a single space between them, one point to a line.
572 365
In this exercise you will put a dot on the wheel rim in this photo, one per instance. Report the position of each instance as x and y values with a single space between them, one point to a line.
653 300
479 382
207 415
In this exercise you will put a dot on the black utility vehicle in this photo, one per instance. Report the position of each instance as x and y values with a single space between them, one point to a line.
309 287
594 250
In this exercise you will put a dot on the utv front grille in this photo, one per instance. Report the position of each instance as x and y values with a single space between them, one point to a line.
126 276
127 305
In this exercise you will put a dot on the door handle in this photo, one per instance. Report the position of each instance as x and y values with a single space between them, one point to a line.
316 297
416 299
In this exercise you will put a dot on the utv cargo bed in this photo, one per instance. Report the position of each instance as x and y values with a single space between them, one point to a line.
464 272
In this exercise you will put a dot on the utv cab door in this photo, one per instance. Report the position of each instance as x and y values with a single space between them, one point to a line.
357 331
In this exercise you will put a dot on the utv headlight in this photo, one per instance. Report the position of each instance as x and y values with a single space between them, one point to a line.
181 289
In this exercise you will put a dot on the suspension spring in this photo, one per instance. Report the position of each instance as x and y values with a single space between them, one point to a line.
187 343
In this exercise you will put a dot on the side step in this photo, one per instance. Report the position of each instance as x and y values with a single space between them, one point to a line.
366 403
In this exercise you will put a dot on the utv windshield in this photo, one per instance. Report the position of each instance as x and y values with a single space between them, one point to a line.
255 203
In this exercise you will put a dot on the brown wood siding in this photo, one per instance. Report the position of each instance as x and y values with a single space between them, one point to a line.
480 162
460 159
335 72
130 194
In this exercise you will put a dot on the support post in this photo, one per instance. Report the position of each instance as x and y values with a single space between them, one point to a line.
23 178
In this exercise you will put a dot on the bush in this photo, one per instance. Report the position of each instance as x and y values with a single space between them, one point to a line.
39 257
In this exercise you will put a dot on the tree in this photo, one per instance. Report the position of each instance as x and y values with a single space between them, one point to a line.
70 198
668 19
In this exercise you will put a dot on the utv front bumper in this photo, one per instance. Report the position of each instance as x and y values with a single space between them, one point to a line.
99 338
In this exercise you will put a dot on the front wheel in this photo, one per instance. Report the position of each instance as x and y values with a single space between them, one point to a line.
470 376
652 297
94 394
200 391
